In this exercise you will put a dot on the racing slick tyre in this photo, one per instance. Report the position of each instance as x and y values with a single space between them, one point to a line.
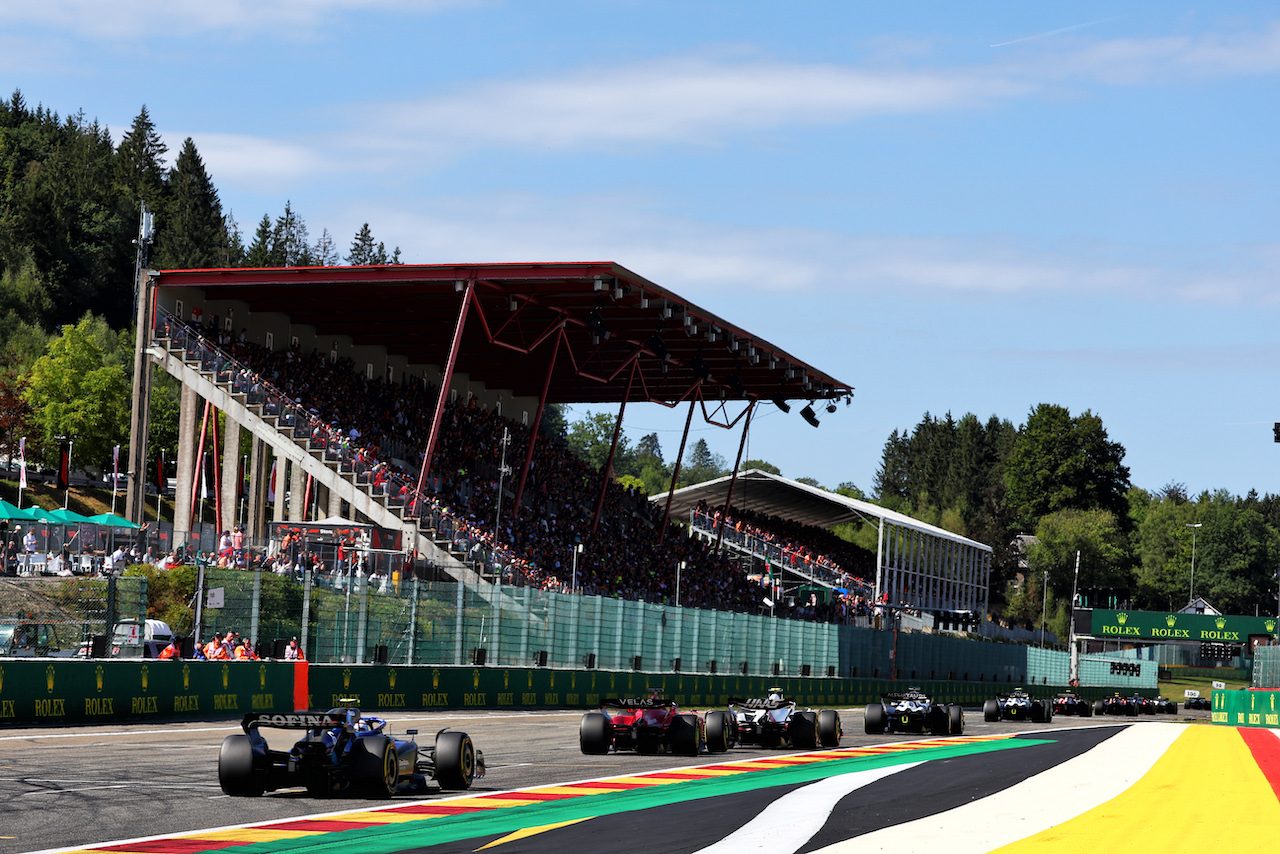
1099 707
376 769
593 734
803 730
1085 710
955 717
829 731
718 724
235 768
875 721
991 711
1037 712
455 760
683 735
938 721
1131 710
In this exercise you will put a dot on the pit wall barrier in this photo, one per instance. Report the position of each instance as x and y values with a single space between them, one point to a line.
59 692
1246 708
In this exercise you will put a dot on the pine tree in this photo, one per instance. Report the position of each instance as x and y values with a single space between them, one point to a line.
325 251
362 248
290 240
262 251
140 163
193 226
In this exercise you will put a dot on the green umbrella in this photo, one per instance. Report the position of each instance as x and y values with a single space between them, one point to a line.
111 520
65 517
10 511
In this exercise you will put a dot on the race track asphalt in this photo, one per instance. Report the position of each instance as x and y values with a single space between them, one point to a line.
79 788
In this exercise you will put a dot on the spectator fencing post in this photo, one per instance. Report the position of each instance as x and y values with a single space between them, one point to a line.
457 630
362 622
306 610
495 619
254 611
413 618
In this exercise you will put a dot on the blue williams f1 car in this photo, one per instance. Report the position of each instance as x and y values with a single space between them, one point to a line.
913 711
343 752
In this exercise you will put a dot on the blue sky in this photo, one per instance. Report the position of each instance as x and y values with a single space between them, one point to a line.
952 207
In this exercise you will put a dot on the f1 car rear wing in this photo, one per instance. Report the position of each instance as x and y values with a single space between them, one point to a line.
907 695
293 720
639 703
758 703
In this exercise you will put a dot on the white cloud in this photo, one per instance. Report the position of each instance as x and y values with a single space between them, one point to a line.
131 19
252 161
672 100
703 101
698 259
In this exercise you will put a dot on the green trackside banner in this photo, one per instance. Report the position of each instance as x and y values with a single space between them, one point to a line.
1191 628
56 691
1246 708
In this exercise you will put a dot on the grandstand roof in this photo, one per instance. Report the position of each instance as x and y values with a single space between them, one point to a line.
613 322
762 492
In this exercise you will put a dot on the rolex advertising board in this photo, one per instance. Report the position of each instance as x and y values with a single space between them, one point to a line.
1187 628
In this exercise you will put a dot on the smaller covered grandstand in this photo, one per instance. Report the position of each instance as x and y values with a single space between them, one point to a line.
781 528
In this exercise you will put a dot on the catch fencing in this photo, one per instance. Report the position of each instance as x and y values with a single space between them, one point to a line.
408 620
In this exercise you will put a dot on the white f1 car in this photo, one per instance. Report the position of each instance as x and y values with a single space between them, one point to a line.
774 721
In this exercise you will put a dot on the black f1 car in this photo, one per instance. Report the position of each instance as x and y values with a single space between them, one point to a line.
1156 706
913 711
653 724
1201 703
1017 705
774 721
1071 703
1116 705
343 752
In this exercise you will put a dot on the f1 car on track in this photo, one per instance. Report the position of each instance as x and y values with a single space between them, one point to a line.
1156 706
1201 703
774 721
1017 705
913 711
1071 703
1116 705
653 724
343 752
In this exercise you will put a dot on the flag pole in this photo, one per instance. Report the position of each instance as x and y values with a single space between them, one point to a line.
159 491
22 473
66 500
115 476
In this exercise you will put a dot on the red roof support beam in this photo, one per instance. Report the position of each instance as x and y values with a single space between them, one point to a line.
537 422
445 382
613 448
737 464
675 474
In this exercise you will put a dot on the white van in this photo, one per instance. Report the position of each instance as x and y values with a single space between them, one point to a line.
146 640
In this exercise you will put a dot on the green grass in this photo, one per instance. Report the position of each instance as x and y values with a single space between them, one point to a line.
1173 689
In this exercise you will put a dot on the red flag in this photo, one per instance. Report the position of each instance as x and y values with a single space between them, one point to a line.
64 467
161 481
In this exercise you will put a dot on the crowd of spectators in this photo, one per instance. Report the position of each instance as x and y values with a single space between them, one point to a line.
373 422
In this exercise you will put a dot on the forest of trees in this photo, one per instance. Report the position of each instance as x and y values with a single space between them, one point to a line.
70 200
70 205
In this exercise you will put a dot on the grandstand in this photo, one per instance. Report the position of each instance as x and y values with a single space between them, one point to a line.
916 566
409 398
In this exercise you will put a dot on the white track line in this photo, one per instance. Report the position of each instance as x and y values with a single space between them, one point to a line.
1036 804
792 820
